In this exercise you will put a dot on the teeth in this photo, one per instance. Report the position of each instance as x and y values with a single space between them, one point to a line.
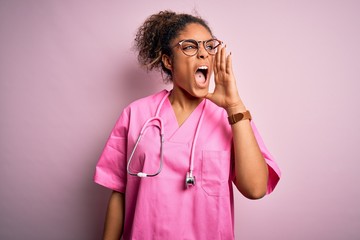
203 67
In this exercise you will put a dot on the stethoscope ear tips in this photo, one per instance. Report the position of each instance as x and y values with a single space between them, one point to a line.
190 180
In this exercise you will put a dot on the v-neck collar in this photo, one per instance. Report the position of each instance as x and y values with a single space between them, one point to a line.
185 132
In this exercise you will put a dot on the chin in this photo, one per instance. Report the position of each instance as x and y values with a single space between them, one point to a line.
201 93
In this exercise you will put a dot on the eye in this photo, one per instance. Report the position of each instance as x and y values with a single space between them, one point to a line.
188 45
211 45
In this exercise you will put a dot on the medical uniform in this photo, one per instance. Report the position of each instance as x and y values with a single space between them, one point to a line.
162 207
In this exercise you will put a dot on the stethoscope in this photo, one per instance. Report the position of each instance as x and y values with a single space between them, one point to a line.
190 178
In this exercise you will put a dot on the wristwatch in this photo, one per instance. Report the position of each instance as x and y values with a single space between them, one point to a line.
238 117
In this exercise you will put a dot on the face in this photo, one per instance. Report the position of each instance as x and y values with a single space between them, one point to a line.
191 74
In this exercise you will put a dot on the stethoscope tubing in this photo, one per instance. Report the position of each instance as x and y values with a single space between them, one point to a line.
142 132
143 129
190 179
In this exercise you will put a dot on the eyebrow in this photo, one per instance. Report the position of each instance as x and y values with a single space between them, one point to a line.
196 40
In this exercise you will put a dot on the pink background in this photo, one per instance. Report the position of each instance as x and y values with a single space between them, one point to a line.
67 70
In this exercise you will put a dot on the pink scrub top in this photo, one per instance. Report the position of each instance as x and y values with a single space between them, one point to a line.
161 207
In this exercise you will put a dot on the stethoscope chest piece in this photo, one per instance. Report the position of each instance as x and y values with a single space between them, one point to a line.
190 180
157 122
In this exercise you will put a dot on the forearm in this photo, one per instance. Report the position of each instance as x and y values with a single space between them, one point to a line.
251 171
114 217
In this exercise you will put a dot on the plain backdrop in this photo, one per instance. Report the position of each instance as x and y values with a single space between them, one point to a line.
67 70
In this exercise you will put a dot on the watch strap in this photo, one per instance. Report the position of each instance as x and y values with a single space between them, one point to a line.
238 117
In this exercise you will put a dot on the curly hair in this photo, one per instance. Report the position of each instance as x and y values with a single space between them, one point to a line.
154 36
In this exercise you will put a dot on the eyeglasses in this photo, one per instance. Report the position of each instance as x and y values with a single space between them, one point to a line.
190 47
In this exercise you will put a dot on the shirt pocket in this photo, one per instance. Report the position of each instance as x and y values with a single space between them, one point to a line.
215 172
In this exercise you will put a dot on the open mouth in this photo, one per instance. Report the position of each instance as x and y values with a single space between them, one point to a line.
201 74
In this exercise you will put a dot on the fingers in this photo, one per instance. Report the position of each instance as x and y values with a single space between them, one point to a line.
220 57
222 62
223 58
229 64
217 60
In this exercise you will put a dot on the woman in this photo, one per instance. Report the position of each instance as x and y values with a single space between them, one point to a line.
181 187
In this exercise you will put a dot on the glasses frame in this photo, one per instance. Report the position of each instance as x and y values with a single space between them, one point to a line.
198 45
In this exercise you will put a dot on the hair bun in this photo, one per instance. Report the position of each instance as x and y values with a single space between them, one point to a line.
153 38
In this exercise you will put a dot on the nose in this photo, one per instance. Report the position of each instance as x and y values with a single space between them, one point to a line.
202 53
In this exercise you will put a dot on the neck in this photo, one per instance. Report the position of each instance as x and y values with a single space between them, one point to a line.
182 100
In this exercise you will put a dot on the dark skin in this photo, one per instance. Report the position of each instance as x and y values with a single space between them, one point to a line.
250 167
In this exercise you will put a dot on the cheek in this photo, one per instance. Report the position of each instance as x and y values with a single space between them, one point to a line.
181 68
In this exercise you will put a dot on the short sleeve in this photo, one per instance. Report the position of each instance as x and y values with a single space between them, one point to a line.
110 170
274 171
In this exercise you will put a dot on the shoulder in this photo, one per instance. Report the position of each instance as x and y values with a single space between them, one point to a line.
216 117
215 110
148 100
146 105
137 111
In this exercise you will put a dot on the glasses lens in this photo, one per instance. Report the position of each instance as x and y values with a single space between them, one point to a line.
189 47
212 45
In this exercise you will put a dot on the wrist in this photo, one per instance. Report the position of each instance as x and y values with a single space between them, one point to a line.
235 108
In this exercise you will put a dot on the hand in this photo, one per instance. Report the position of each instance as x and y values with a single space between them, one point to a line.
225 94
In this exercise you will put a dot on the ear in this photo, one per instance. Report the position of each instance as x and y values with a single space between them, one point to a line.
166 61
